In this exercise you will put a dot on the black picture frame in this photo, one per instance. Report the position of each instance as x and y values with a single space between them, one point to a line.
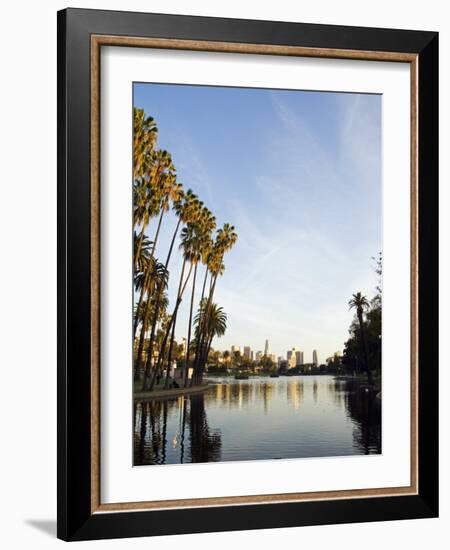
75 519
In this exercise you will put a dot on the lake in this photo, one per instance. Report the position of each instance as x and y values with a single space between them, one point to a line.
259 418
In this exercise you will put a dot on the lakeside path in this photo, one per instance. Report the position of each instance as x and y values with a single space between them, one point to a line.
173 392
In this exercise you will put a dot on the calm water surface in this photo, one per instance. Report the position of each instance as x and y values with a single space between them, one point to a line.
259 418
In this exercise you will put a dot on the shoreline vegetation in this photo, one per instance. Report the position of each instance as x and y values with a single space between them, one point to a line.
163 366
157 190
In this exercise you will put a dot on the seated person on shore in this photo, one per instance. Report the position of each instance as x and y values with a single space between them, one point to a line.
174 384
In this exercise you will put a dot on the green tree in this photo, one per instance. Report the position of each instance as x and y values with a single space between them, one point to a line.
156 191
187 208
204 227
159 281
226 238
361 304
212 321
145 133
191 238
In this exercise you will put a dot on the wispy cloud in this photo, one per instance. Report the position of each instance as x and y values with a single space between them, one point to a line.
302 188
193 169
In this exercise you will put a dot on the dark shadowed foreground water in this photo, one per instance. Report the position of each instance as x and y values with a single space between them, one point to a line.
259 418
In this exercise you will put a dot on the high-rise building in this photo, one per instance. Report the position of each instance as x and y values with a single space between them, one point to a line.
266 348
315 360
259 355
291 359
234 349
247 352
298 358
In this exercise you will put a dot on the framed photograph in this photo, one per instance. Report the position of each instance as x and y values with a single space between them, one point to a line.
247 252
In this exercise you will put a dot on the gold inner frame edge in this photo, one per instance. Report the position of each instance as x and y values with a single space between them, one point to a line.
97 41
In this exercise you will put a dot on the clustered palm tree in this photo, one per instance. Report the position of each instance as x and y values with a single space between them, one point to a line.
361 304
156 190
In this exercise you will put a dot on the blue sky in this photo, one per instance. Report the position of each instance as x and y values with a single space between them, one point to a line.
299 176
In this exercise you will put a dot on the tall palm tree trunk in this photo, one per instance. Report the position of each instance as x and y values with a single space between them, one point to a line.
172 338
208 349
202 333
204 322
204 284
203 360
139 305
172 326
138 360
169 356
197 344
188 343
148 364
171 322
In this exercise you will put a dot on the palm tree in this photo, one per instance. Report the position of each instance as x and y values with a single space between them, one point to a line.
217 325
207 260
191 238
142 268
226 237
163 187
143 257
153 191
360 303
212 320
187 208
225 240
157 282
145 133
171 326
167 190
216 268
206 225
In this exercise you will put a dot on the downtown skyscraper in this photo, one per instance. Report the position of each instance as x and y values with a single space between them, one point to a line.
315 359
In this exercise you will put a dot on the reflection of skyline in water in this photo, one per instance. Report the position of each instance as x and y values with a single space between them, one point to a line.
263 418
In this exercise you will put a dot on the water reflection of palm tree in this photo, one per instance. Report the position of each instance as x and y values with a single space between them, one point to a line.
183 428
206 445
142 433
366 413
151 446
157 421
164 433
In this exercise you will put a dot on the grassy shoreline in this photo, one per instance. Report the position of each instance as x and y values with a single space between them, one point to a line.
172 392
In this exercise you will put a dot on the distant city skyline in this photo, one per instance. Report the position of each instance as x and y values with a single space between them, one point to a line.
299 176
299 354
